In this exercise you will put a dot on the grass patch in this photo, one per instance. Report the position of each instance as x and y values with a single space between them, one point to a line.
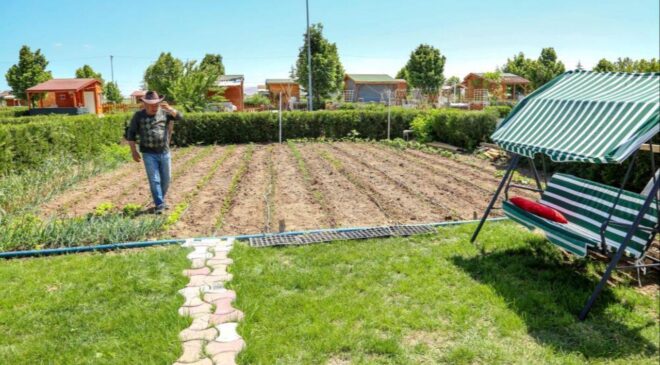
111 308
435 299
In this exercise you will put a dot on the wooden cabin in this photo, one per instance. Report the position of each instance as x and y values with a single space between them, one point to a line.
233 85
289 88
137 95
66 96
373 88
479 91
7 98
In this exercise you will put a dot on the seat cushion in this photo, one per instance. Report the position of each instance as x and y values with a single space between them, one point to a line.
539 209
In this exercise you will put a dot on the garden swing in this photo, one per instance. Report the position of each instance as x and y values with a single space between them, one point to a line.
599 118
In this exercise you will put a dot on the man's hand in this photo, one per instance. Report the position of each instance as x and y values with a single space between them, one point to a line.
136 156
171 111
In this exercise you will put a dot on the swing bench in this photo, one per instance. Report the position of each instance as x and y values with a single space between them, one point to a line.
598 118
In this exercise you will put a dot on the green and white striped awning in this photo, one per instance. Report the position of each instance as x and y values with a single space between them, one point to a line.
585 116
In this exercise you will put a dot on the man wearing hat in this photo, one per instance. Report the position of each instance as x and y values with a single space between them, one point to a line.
152 127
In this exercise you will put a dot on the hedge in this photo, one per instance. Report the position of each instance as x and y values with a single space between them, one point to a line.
13 111
28 144
464 129
207 128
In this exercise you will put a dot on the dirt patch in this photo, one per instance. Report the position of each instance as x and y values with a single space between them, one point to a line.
293 200
250 197
350 207
200 217
106 187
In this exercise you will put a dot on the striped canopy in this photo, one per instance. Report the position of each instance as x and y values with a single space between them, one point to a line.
585 116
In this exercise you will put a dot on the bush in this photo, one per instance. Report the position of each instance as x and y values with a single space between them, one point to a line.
224 128
464 129
13 111
28 144
256 100
501 110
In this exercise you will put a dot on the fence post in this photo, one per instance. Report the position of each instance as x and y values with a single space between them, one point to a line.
389 102
280 116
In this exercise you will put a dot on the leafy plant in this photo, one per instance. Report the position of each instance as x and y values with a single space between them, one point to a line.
29 71
103 209
132 209
196 87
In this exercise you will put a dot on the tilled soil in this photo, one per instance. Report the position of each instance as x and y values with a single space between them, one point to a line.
108 187
350 184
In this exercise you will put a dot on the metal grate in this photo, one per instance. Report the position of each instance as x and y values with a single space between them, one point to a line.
411 230
274 240
358 234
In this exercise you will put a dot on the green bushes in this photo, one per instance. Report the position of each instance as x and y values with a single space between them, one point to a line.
224 128
13 111
501 110
459 128
28 144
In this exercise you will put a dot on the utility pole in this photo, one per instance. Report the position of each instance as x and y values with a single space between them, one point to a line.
112 70
280 117
309 63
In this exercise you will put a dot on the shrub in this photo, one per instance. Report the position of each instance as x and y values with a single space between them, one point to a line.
464 129
28 144
501 110
13 111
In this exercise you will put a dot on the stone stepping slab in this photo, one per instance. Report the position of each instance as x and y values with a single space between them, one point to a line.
211 339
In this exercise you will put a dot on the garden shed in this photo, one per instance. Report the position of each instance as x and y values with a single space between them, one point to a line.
233 85
288 87
373 88
479 89
66 96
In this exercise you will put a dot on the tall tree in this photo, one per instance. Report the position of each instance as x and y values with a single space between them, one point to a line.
196 87
87 72
519 65
162 74
425 69
452 81
327 71
213 61
29 71
546 68
112 93
403 74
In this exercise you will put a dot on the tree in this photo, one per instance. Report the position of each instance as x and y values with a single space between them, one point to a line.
213 61
29 71
546 68
453 81
196 87
162 74
425 69
112 93
327 71
403 74
87 72
538 71
627 65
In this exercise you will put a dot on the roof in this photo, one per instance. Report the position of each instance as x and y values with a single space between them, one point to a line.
230 80
507 78
585 116
372 78
6 94
63 85
280 81
137 93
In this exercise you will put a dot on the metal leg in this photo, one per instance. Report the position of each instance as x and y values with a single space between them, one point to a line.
536 175
619 252
505 180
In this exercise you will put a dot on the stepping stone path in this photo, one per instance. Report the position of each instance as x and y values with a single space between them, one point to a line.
211 339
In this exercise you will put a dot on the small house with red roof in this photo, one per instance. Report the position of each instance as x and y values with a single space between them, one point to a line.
66 96
137 95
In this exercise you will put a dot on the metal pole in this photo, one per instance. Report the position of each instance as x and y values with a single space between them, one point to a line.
389 102
619 252
505 180
310 94
280 117
112 69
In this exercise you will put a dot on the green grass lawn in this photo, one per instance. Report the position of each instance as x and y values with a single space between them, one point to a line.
435 299
104 308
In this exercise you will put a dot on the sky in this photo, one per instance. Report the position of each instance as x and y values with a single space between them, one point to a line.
261 39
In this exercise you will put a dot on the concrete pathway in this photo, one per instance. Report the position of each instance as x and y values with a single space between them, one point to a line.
211 339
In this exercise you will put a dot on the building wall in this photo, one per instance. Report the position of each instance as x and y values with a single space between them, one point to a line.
373 92
234 94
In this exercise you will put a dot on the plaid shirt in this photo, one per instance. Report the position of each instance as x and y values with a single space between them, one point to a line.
151 130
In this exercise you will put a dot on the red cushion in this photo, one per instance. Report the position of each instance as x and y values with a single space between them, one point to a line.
539 209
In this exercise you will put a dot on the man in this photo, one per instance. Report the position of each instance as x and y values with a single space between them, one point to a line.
153 127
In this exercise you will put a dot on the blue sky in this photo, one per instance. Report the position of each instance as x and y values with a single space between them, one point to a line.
260 39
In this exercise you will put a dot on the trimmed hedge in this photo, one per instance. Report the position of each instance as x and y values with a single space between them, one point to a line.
28 144
459 128
223 128
13 111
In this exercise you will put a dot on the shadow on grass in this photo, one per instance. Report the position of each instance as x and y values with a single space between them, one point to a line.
548 293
